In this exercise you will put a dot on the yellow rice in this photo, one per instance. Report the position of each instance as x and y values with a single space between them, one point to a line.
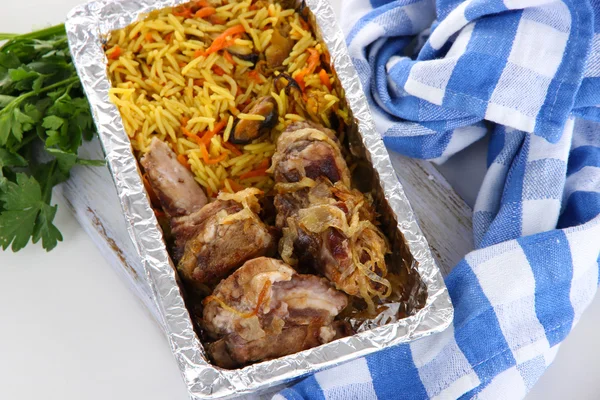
166 87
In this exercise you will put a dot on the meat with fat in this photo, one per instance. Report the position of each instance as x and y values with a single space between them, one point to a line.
266 309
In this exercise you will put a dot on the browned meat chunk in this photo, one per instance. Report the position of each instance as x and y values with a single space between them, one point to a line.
266 310
327 227
247 130
211 240
178 192
221 237
304 151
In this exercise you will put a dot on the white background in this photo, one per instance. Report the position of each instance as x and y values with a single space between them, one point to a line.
71 330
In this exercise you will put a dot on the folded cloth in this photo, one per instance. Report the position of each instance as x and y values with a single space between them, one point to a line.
531 69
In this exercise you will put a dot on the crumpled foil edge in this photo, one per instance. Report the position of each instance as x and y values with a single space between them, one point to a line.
87 25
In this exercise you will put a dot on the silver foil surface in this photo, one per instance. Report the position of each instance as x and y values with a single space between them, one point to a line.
87 27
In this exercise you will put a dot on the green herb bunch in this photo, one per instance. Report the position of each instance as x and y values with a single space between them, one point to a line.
44 117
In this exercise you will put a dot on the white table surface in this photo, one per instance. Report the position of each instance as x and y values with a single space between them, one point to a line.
71 330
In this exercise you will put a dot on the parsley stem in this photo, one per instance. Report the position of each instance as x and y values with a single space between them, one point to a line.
48 185
44 33
17 101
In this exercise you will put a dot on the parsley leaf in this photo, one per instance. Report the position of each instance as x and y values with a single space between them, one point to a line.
44 118
26 215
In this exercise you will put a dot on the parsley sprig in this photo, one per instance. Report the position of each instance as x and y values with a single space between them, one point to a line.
44 118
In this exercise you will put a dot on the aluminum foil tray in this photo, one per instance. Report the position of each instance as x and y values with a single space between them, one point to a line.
427 306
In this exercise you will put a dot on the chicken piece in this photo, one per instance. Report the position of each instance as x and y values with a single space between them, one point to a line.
174 185
221 237
307 150
266 310
280 47
247 130
327 227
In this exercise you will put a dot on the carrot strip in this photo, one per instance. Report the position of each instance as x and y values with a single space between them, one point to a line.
185 12
217 20
313 60
184 121
149 37
205 12
220 41
198 53
263 164
253 173
198 82
233 148
207 159
255 76
218 70
299 78
201 3
190 135
116 53
208 135
325 79
183 161
228 57
235 186
153 197
204 152
217 159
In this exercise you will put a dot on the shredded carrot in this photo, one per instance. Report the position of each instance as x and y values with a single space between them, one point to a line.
198 53
201 3
205 12
198 82
233 148
116 53
208 135
217 159
313 60
182 64
153 197
263 164
183 161
217 20
185 12
218 70
234 110
149 37
184 121
253 173
325 79
207 159
304 25
190 135
228 57
169 37
220 41
255 76
210 193
299 78
235 186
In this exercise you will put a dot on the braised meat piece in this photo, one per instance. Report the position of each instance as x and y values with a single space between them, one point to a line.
174 185
327 227
211 240
227 233
306 150
266 310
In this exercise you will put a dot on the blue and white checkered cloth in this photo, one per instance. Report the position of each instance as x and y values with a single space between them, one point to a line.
434 71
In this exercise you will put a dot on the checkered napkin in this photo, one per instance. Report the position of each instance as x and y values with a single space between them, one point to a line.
434 71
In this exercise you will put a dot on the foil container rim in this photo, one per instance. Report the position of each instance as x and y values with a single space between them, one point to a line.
86 26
